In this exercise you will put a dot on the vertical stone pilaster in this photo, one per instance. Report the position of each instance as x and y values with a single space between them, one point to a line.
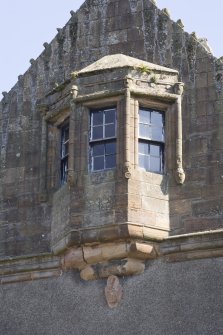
71 172
127 111
179 175
136 132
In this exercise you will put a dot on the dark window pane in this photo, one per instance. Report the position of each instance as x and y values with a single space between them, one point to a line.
65 134
110 161
97 118
98 163
144 130
98 149
144 161
97 132
157 134
110 116
143 148
154 150
144 116
110 148
157 118
110 130
155 164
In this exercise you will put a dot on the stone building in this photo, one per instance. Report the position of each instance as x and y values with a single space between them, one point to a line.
111 194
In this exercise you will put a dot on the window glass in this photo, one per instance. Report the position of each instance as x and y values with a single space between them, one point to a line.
110 148
97 118
98 163
157 134
156 118
110 116
144 116
144 130
102 141
151 140
144 162
144 148
155 164
154 150
98 149
97 132
110 161
110 130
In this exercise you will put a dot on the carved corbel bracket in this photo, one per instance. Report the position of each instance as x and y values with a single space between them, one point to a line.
104 260
128 81
179 88
74 92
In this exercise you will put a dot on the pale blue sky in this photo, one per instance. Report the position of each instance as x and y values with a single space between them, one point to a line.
25 25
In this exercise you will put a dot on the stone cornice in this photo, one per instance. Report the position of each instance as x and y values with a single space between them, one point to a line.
120 257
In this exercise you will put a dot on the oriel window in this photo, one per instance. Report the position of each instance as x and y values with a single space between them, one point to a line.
102 139
151 140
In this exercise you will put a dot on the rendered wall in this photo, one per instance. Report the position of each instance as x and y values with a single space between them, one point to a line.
168 299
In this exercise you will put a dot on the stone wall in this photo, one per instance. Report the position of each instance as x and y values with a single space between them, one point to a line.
138 29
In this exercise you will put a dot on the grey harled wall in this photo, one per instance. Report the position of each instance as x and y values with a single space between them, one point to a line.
168 299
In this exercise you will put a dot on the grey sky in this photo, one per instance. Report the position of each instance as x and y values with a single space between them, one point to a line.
25 25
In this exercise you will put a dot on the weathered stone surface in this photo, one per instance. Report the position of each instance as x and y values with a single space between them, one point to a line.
100 214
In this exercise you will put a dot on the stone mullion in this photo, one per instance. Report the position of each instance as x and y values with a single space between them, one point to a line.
72 122
127 114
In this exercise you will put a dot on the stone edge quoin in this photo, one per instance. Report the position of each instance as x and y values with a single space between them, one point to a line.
117 257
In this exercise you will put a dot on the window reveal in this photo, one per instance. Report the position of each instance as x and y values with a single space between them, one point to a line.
64 153
151 140
103 139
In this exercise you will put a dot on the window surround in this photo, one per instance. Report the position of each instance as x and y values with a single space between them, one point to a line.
102 138
151 144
